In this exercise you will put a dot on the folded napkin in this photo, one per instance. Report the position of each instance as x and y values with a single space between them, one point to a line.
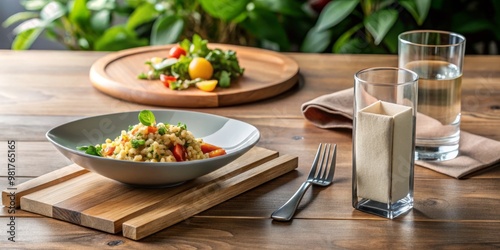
476 152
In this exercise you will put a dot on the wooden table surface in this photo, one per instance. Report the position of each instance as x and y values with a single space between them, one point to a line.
42 89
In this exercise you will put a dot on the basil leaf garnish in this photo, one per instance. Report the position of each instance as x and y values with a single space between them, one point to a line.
146 117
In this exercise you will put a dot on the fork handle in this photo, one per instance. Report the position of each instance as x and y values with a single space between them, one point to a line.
286 212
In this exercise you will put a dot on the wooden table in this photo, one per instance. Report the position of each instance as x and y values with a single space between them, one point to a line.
42 89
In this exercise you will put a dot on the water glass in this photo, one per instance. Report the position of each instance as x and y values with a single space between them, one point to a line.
385 103
437 58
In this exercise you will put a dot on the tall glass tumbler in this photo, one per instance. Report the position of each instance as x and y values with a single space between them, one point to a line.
437 57
385 104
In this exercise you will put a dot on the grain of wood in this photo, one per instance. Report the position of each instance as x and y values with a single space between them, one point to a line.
43 182
43 200
94 201
267 74
448 213
243 233
191 202
109 214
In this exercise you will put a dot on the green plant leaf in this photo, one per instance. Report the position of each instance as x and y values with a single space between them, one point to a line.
101 20
28 31
316 41
97 5
51 12
419 9
352 46
143 14
287 7
25 39
334 12
423 7
345 38
133 3
224 9
384 4
379 23
391 39
118 38
27 25
265 25
79 13
18 17
166 30
83 43
35 4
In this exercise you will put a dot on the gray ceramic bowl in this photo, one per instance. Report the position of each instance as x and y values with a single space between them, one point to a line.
236 137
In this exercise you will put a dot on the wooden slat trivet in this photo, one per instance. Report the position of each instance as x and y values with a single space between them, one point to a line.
192 202
136 201
76 195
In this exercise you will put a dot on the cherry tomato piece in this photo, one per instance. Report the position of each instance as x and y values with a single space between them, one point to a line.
207 147
166 79
176 52
179 152
152 129
109 151
217 152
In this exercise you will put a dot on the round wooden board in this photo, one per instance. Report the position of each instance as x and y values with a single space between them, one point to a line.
267 74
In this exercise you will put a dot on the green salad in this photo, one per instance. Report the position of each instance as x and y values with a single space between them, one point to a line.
192 62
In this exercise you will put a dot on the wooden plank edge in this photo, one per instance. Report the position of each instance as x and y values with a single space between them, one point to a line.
11 197
36 207
43 201
4 213
171 212
114 225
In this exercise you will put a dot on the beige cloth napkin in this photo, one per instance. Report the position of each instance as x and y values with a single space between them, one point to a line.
476 152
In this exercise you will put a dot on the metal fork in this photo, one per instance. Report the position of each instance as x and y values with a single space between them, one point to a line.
322 177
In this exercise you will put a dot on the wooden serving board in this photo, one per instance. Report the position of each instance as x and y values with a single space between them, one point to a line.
267 74
76 195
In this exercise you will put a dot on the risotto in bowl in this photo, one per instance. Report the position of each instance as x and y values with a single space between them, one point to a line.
165 147
156 143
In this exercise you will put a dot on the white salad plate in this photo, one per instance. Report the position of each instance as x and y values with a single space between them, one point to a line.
235 136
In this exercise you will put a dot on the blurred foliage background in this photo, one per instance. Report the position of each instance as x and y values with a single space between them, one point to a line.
312 26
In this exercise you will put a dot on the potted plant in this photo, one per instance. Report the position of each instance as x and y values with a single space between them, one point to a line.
114 25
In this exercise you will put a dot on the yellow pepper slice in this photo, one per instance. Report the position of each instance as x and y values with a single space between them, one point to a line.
207 86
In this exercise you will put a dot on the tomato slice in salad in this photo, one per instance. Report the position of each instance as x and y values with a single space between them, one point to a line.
166 79
207 147
176 52
179 152
109 151
217 152
152 129
212 150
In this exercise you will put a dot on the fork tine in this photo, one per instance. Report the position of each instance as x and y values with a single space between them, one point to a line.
333 163
318 173
315 162
323 169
